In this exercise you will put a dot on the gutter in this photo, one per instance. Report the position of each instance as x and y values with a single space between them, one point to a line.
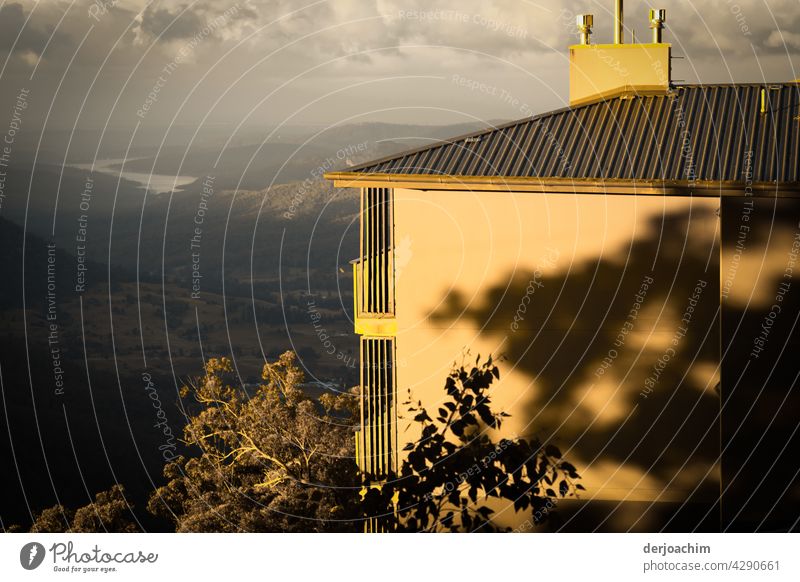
706 188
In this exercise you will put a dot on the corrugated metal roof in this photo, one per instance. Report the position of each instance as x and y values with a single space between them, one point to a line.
695 133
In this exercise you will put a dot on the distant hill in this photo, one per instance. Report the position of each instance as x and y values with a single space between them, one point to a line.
33 264
272 258
256 165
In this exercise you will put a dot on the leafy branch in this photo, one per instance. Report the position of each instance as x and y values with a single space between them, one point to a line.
455 467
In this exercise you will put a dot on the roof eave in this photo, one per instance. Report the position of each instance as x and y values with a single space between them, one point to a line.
563 185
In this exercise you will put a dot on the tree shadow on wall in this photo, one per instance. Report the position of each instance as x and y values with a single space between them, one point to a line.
761 370
605 381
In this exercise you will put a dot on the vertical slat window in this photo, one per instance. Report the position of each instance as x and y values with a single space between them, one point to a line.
377 242
378 407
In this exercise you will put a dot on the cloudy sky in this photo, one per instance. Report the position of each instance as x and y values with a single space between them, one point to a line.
310 62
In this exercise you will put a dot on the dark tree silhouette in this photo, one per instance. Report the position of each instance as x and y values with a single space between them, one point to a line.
454 469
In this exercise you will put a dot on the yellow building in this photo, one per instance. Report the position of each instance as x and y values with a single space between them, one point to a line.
624 255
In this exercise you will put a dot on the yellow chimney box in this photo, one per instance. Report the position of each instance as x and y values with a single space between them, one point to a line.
604 71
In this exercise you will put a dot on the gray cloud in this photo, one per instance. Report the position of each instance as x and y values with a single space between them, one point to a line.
166 21
784 40
513 43
501 28
18 37
163 23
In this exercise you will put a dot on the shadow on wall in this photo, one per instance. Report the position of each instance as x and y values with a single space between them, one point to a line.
760 371
623 355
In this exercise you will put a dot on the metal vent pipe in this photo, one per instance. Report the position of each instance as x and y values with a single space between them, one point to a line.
619 37
585 23
657 20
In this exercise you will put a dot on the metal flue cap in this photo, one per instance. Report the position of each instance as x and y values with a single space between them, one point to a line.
657 19
658 16
585 23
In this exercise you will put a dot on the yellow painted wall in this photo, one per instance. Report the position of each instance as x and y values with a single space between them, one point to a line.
569 269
